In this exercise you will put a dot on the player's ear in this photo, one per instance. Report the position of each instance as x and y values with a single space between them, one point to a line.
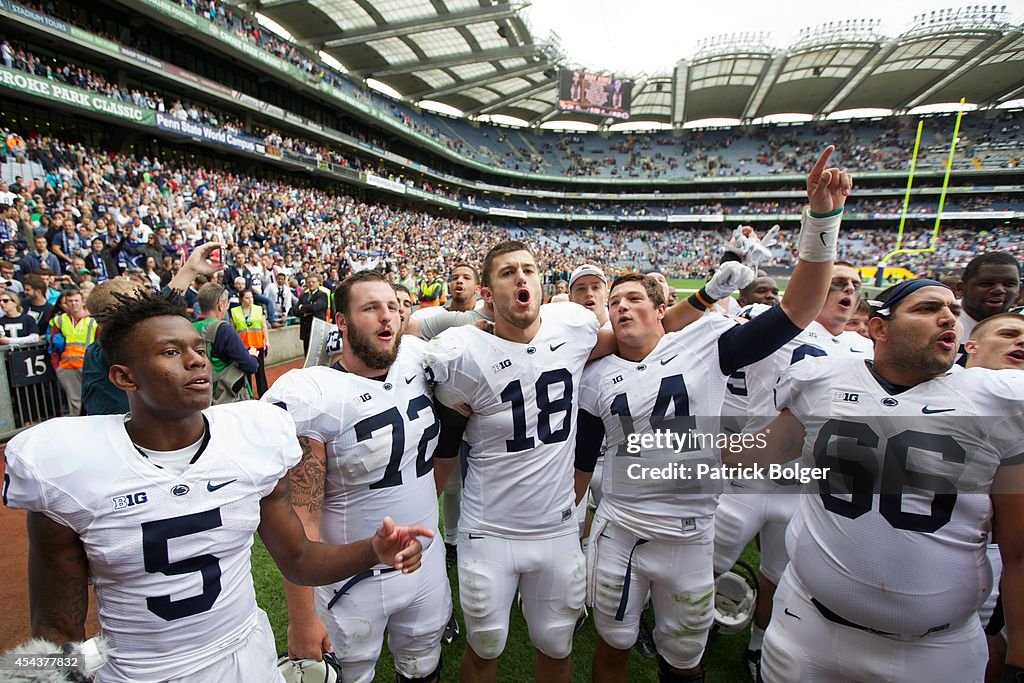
121 376
487 294
959 289
971 346
878 328
660 311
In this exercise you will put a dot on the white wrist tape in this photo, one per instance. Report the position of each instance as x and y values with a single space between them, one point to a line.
819 237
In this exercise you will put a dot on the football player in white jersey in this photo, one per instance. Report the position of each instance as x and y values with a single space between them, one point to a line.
517 529
989 286
762 290
916 464
764 506
157 509
464 287
588 287
657 536
996 343
368 431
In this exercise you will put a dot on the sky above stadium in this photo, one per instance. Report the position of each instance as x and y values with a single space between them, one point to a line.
650 36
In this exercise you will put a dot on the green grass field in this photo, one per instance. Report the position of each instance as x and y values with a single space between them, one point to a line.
722 661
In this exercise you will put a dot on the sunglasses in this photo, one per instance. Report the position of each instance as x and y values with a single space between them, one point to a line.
6 301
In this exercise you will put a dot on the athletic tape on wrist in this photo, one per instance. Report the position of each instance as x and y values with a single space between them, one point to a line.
819 236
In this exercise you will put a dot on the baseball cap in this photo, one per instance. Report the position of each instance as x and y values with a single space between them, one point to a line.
587 269
83 271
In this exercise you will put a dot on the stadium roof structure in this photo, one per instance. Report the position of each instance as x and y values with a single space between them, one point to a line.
478 56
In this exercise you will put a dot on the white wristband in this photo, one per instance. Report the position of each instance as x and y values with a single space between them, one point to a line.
819 237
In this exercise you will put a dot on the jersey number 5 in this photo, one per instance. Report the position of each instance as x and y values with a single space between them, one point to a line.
155 538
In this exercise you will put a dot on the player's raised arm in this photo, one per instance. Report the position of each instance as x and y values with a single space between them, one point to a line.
58 580
827 190
308 563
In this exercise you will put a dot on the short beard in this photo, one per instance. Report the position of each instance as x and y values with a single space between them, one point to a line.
363 349
922 359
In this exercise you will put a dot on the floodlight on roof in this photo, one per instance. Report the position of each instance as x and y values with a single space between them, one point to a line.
973 17
731 43
830 33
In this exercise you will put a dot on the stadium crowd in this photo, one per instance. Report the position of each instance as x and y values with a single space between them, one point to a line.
129 202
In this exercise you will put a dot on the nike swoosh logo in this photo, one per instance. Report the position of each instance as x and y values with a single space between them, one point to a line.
822 236
555 347
474 538
791 614
669 360
408 380
931 411
856 351
210 486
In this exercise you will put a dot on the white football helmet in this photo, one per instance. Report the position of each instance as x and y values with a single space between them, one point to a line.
735 597
310 670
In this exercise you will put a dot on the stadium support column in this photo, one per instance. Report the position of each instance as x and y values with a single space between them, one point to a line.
680 81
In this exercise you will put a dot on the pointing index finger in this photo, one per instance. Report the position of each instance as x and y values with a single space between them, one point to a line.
819 166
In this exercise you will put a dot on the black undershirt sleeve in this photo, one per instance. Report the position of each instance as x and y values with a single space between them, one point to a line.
589 435
742 345
453 425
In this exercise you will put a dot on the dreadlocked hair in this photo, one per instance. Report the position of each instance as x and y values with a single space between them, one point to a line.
120 320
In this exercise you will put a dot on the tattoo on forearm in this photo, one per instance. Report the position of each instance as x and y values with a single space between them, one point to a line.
307 479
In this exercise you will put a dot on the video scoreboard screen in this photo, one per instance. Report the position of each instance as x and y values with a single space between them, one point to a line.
597 94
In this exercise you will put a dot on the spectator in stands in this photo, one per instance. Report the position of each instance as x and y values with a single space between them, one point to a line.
227 346
7 278
16 326
70 332
101 260
312 304
67 244
149 270
250 323
282 295
40 259
35 301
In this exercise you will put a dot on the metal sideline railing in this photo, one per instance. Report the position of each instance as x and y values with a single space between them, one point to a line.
29 387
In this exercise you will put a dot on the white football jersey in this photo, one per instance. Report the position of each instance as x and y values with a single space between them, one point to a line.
750 388
680 378
168 553
877 544
380 437
522 432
